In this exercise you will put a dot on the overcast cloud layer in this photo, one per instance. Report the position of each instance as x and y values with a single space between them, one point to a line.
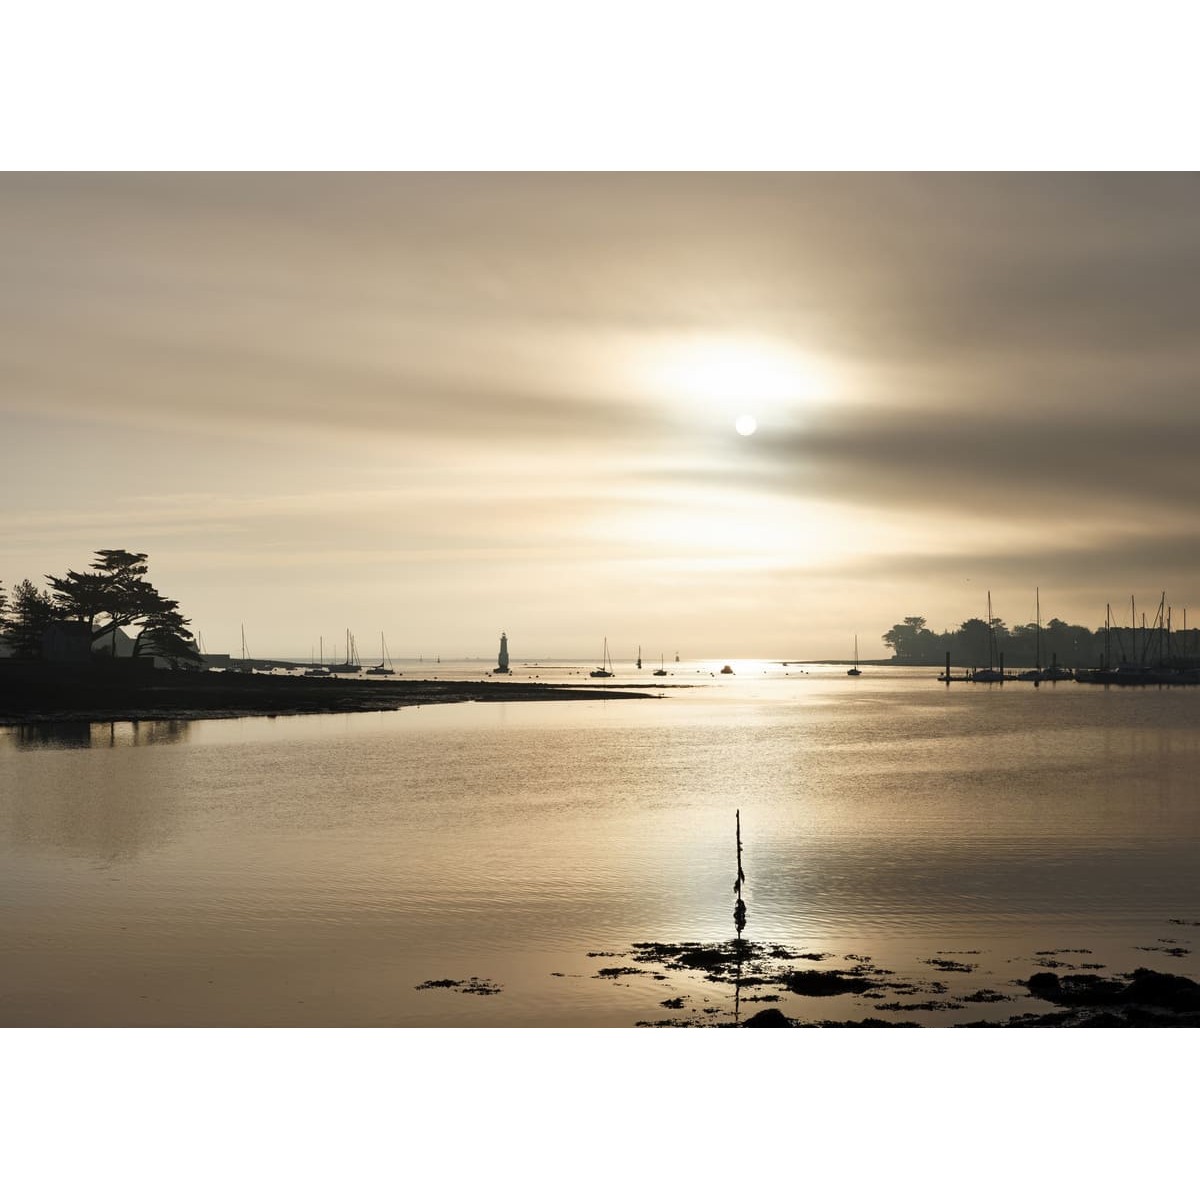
443 405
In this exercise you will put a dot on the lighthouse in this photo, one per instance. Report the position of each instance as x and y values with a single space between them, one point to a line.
502 661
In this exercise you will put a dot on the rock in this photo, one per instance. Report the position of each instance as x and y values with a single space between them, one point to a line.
825 983
1158 990
1145 988
768 1018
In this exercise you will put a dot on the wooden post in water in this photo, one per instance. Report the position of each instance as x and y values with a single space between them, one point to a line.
739 922
739 909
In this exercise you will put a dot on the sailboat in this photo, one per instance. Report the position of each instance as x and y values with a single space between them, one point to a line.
352 665
1036 675
639 662
385 663
992 673
319 670
604 671
244 664
662 670
854 669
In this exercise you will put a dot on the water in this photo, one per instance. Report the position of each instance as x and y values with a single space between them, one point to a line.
319 869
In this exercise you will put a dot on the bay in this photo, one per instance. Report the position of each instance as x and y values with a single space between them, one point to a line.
323 870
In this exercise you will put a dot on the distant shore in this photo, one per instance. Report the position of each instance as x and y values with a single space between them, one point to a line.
35 693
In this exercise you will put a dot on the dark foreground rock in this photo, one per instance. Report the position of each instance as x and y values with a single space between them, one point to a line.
758 973
768 1018
826 983
1143 998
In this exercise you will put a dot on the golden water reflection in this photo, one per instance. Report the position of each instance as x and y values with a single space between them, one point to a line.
316 870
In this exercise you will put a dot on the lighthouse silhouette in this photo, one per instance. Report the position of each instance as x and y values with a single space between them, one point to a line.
502 661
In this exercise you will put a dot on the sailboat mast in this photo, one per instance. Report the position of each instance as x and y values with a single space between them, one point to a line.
991 636
1037 655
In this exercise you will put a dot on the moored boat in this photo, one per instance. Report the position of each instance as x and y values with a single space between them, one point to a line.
604 670
352 665
385 662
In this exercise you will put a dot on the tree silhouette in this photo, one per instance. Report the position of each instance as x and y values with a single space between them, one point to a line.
28 614
972 642
115 593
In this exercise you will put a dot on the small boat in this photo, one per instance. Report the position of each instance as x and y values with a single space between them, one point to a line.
854 669
604 670
1037 674
639 658
244 665
726 670
318 670
992 672
986 675
352 665
662 670
385 663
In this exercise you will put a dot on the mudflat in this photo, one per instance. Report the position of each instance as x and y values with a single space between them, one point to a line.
124 692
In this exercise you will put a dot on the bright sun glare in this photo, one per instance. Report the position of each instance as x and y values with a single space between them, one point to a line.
732 377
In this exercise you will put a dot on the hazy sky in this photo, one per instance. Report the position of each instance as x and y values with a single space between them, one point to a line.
445 405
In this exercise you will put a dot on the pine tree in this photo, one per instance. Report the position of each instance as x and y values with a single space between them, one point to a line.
25 619
115 593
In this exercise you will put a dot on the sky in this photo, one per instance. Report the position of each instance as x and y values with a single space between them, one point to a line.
442 406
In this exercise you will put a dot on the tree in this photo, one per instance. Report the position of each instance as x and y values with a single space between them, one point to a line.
26 618
975 635
911 640
115 593
165 633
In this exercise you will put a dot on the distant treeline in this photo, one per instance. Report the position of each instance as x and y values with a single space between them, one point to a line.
1073 645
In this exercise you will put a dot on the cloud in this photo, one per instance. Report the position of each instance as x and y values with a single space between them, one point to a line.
1047 467
401 369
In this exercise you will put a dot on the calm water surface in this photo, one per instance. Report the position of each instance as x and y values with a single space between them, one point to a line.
316 870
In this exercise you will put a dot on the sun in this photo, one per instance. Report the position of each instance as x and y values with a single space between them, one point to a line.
741 380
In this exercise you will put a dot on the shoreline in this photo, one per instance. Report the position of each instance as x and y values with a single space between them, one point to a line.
46 695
